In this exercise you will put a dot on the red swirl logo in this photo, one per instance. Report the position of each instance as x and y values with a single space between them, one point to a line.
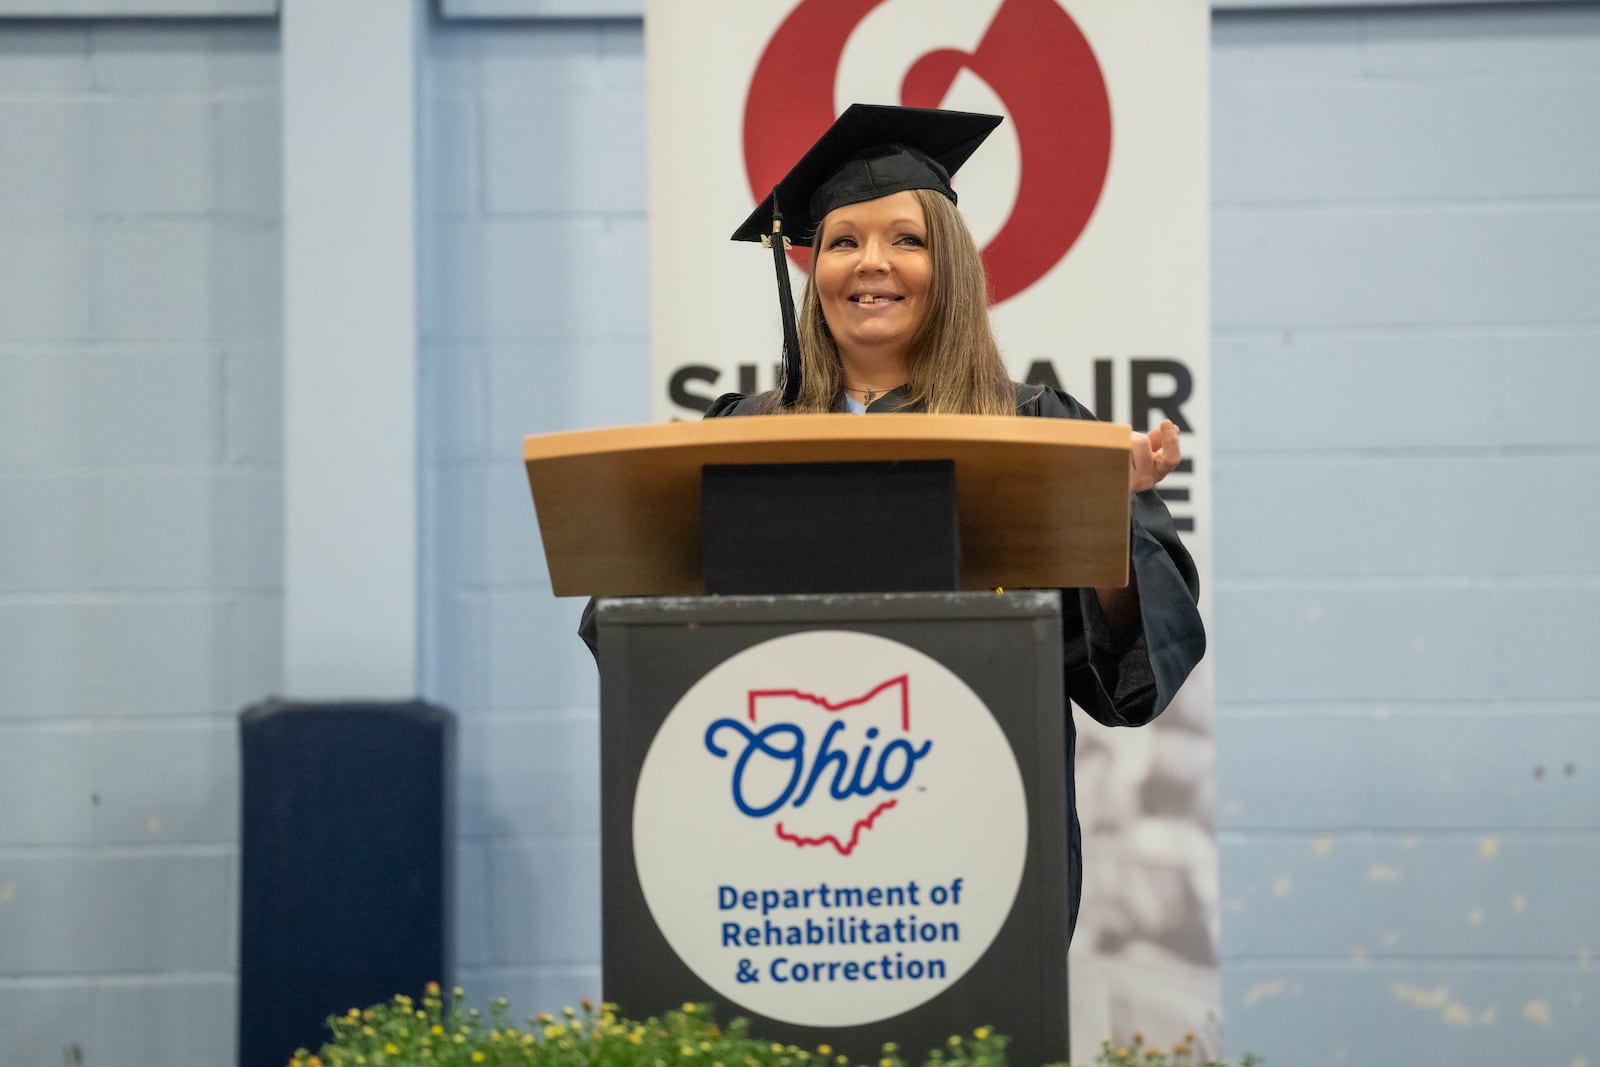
1034 57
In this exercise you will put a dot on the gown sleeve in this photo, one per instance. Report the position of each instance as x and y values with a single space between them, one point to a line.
1130 682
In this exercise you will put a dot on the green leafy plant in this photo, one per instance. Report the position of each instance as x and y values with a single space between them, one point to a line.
442 1031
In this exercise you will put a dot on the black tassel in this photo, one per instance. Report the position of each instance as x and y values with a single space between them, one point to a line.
791 336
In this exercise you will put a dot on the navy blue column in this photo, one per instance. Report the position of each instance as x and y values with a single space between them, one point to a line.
345 865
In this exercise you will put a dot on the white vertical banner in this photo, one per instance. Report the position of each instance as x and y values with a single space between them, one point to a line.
1091 205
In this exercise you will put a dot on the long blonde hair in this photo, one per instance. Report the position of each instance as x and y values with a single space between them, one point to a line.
955 364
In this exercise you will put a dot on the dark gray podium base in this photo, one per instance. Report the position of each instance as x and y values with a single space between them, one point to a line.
1007 649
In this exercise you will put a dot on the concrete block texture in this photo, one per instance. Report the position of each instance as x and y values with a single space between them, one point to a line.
1405 391
142 531
46 785
184 1019
1467 896
514 278
131 910
1322 1014
1405 141
546 902
45 279
175 783
73 658
1404 266
1447 767
1339 641
549 387
180 56
43 1023
599 167
88 407
153 155
532 775
46 155
140 519
45 57
1536 41
1404 366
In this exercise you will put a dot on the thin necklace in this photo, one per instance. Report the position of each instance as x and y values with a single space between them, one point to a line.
869 395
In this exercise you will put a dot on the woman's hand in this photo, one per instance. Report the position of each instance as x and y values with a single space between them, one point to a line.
1152 456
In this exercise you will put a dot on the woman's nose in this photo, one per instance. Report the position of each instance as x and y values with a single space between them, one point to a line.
873 256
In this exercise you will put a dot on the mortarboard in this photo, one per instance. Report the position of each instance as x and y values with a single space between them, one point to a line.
870 151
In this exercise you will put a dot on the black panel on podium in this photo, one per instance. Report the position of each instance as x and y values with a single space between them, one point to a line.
831 528
345 863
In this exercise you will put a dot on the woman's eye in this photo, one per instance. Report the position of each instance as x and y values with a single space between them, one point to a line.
842 242
911 239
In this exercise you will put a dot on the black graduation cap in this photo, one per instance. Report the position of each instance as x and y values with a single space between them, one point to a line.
871 150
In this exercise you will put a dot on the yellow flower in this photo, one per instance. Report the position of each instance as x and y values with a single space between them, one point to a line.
552 1031
955 1040
634 1038
1123 1053
826 1050
459 1039
981 1033
313 1062
437 1031
458 992
543 1018
369 1031
685 1050
391 1048
432 989
477 1057
886 1062
689 1009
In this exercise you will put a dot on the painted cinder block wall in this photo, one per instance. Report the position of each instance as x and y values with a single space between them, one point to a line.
140 523
1407 355
1406 241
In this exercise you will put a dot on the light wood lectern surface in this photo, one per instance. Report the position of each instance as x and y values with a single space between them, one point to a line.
1043 503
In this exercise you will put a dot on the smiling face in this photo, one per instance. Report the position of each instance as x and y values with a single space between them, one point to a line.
871 269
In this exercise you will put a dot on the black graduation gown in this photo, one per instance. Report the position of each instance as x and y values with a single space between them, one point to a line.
1120 683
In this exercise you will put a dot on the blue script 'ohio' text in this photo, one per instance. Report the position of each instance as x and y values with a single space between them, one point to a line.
783 746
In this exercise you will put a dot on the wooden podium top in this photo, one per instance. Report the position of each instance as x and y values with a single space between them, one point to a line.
1043 503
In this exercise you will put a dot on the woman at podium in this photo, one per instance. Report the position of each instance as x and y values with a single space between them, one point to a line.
894 318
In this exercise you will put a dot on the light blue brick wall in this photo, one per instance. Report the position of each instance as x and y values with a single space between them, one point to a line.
140 524
1407 353
534 320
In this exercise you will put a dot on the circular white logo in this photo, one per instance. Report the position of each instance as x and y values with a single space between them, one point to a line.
830 828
